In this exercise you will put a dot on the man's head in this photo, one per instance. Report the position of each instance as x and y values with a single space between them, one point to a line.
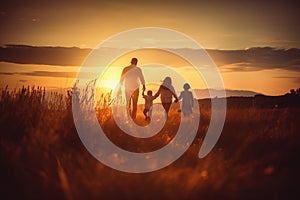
134 61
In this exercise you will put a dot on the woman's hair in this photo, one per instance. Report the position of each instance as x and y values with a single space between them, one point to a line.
167 82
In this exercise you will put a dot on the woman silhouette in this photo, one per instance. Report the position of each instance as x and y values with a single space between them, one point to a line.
166 92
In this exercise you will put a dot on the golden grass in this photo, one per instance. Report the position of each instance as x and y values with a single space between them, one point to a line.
42 156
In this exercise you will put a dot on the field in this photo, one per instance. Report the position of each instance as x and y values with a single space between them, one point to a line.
42 157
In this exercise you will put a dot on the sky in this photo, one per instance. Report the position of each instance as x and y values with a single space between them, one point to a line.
229 27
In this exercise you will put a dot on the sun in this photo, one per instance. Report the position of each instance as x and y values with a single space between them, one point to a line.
110 84
110 78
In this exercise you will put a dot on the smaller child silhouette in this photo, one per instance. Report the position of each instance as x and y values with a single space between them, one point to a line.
148 104
187 100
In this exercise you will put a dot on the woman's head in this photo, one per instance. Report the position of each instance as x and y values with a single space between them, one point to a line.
167 81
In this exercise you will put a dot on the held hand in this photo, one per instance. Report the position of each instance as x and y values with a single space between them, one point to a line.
119 91
119 86
176 100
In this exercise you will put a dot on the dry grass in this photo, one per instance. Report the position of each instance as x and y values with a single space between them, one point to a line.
42 156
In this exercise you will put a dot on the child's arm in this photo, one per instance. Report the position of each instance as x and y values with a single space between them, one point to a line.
175 96
180 97
177 99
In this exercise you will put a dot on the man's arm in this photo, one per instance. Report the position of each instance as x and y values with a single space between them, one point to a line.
142 80
123 75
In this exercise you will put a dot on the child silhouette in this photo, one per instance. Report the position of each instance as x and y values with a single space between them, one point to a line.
187 100
148 104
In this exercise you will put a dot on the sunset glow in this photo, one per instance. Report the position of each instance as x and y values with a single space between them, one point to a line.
157 99
218 27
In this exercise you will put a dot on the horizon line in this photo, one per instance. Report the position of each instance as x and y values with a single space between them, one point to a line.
91 48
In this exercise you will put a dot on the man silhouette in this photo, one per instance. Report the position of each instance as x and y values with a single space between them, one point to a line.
132 77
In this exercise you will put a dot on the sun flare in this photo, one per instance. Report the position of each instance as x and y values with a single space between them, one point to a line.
109 84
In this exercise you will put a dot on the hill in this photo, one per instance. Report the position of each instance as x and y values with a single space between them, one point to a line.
203 93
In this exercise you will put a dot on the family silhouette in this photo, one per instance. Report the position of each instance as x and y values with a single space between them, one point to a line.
132 77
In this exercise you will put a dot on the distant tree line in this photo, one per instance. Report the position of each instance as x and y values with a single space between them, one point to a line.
294 91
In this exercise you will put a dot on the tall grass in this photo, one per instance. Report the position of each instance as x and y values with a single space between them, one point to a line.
42 156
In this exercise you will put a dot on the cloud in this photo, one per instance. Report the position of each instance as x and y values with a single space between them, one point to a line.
43 73
295 79
51 74
257 58
252 59
276 40
62 56
243 66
